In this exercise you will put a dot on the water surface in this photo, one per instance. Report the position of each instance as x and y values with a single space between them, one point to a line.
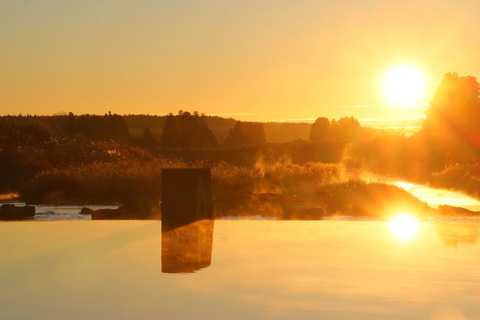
249 270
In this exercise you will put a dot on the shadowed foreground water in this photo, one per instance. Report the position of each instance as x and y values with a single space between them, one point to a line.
248 270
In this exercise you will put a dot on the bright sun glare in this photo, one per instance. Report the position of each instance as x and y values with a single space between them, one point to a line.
404 226
404 86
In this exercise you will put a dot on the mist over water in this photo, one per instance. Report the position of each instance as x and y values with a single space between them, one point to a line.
435 197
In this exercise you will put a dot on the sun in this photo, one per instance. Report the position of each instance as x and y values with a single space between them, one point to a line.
404 226
404 86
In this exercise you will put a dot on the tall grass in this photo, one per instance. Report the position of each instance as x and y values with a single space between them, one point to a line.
281 189
99 182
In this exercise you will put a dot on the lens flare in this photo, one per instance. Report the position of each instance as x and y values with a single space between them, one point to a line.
404 226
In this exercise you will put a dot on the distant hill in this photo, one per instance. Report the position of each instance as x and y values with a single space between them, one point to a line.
275 132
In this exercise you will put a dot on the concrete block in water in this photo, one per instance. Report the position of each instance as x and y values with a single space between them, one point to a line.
186 196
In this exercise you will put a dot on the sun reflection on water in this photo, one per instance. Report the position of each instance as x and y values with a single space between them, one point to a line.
404 226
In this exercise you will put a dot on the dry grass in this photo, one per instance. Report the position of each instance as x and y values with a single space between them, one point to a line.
281 189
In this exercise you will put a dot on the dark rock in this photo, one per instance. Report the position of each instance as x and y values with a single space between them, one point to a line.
12 212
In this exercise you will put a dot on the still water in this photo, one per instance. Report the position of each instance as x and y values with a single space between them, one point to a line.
62 212
239 270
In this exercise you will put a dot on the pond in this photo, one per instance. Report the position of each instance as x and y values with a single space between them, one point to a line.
238 270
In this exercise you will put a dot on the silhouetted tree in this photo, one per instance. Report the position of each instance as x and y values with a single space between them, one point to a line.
320 131
186 131
109 127
345 129
148 139
170 137
452 126
246 133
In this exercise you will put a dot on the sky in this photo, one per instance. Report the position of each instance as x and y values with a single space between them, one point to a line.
271 60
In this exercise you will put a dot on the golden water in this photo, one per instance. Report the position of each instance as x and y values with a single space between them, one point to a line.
257 270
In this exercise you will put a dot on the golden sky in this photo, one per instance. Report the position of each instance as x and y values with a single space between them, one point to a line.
249 59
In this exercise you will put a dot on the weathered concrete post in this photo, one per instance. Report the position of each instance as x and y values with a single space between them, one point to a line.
186 196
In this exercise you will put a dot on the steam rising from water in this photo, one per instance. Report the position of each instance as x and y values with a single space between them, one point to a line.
435 197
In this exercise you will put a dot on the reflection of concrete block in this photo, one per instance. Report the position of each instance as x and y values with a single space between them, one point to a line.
187 249
186 196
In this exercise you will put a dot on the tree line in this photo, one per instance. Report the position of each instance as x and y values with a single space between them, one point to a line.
449 140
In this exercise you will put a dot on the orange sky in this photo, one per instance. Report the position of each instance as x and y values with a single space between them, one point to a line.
252 60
